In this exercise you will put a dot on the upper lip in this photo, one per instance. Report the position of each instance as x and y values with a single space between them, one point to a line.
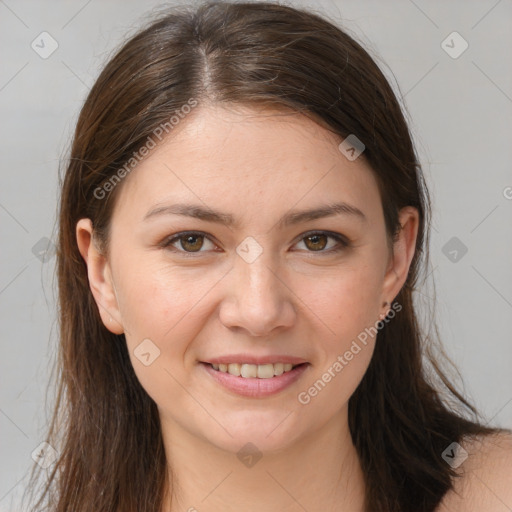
252 359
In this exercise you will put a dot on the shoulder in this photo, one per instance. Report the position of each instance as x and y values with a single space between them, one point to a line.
485 481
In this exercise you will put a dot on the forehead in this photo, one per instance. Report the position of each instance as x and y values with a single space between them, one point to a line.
241 157
251 132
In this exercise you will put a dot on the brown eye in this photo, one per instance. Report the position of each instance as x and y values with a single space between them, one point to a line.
324 242
316 242
191 243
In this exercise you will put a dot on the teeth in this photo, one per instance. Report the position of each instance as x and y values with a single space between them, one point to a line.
234 369
278 369
261 371
264 371
249 370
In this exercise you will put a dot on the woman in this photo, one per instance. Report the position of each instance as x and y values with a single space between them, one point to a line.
243 223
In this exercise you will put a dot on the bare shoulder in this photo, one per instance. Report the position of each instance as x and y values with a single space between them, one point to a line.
485 482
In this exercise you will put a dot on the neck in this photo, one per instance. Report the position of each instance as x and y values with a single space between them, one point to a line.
319 472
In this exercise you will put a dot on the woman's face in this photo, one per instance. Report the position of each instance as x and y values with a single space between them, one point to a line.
261 280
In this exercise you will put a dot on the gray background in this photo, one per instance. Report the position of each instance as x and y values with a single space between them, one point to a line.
460 110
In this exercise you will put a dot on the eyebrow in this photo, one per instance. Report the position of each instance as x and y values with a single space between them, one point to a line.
290 218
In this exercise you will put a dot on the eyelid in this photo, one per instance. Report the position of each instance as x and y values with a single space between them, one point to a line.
342 241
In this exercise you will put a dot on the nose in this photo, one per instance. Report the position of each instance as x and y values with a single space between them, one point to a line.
259 300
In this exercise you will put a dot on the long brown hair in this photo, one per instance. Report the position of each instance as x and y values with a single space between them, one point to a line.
105 427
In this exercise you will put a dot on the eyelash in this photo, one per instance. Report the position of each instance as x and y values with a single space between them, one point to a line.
342 241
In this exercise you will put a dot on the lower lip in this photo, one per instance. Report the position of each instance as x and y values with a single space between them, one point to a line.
254 387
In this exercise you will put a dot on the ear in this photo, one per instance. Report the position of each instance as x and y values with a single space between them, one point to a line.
402 254
100 277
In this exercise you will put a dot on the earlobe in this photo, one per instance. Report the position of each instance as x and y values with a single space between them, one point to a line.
100 277
403 252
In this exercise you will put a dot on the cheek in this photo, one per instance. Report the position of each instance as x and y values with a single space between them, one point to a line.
163 312
164 303
346 299
347 304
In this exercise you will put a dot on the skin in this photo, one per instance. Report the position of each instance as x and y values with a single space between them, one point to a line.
256 166
484 478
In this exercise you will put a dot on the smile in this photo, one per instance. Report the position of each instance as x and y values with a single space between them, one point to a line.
255 380
260 371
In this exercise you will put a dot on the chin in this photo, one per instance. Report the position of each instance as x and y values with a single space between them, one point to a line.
267 431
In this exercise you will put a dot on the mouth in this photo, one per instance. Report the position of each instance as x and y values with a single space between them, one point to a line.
259 371
255 380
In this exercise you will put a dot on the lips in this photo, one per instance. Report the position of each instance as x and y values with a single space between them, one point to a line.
255 376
